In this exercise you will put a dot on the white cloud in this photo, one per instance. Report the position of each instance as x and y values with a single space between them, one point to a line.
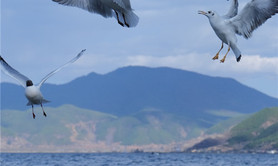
203 63
257 63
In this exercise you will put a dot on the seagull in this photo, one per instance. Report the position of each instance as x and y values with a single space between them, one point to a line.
122 8
32 92
253 15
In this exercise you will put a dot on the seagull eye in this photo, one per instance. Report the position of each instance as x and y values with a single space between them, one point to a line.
209 12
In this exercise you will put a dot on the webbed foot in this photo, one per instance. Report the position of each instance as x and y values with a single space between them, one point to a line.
215 57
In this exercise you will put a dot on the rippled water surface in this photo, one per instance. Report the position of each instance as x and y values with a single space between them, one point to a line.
134 159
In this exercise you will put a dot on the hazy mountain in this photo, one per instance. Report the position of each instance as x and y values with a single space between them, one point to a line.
129 90
134 106
72 129
69 128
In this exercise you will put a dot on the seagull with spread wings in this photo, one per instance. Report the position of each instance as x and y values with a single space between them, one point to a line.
122 8
32 92
253 15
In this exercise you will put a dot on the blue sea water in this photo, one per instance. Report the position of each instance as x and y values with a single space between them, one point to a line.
136 159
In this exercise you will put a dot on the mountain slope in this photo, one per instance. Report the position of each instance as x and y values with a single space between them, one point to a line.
226 125
69 127
129 90
260 130
55 129
255 133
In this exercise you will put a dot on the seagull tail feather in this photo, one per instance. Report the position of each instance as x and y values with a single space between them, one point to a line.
236 52
131 18
45 101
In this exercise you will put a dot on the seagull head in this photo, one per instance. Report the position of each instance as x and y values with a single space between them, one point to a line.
208 13
29 83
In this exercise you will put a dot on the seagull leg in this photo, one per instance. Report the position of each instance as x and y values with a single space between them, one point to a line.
216 56
34 116
118 18
223 60
125 21
43 110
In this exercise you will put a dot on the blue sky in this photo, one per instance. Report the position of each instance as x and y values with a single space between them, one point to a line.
38 36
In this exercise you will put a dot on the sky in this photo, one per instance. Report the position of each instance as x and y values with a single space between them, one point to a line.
39 36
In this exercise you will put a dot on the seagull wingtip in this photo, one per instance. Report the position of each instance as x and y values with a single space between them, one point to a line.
238 59
81 53
1 59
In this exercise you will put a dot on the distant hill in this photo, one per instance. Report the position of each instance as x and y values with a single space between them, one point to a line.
226 125
64 126
258 131
72 129
129 90
69 128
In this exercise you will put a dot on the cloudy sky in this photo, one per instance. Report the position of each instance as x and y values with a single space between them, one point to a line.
39 35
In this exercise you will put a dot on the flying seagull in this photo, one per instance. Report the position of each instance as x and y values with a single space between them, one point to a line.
122 8
32 92
254 14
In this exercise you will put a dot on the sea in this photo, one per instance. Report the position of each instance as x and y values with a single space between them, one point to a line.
137 159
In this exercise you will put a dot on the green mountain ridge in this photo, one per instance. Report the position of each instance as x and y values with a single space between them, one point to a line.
258 131
54 129
70 126
248 133
226 125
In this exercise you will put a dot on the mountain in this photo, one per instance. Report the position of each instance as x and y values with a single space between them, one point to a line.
71 129
64 126
256 133
68 128
129 90
226 125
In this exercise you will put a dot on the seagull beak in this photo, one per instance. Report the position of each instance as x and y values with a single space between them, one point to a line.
202 12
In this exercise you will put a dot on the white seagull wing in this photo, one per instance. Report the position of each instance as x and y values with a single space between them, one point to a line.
233 10
13 73
254 14
93 6
58 69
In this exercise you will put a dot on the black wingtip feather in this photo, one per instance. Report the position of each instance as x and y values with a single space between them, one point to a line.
238 59
2 59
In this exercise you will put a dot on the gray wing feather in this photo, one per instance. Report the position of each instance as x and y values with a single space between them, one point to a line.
58 69
13 73
254 14
233 10
93 6
125 4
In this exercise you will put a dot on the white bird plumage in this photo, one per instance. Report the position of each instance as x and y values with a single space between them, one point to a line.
122 8
32 92
254 14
